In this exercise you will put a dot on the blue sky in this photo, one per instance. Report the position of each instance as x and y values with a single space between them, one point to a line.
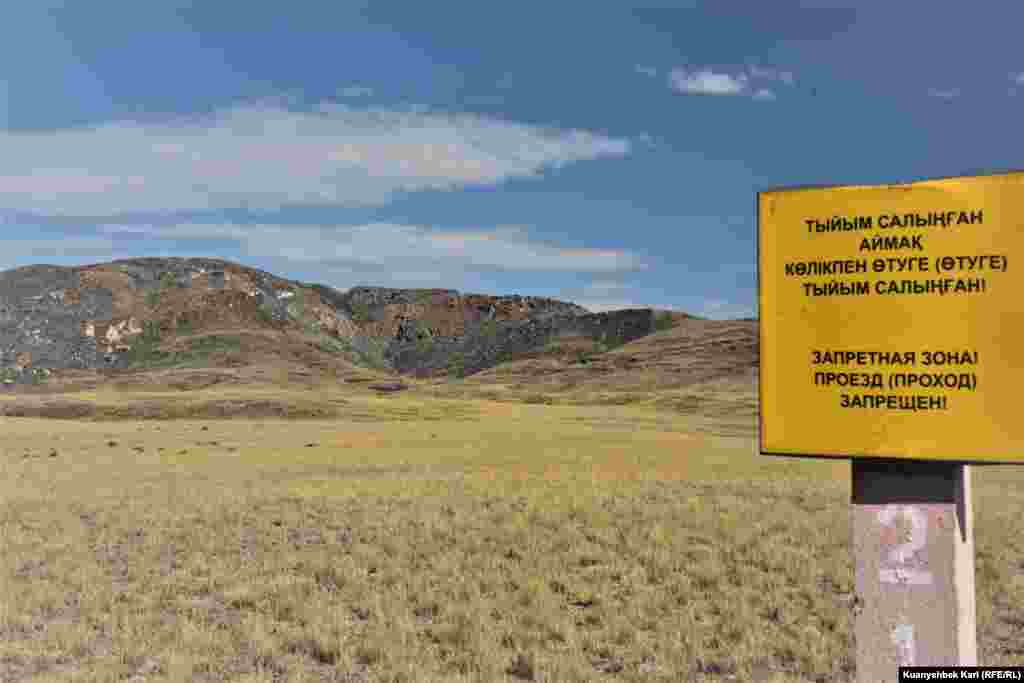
603 153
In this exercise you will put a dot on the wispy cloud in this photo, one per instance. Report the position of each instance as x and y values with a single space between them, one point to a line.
647 71
748 83
947 94
267 156
707 82
1018 78
401 247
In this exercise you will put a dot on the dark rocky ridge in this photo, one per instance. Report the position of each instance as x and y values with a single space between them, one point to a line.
484 347
92 316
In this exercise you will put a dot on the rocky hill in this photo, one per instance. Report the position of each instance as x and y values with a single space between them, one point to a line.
151 313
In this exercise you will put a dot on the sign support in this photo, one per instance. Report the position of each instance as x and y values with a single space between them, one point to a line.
913 543
887 314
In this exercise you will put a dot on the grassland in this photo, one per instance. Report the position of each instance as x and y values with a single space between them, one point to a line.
418 538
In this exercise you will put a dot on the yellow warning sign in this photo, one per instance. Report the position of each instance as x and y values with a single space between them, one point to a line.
892 320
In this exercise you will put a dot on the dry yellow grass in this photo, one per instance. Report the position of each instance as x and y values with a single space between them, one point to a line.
418 539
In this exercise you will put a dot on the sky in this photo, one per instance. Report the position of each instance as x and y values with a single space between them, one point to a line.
608 154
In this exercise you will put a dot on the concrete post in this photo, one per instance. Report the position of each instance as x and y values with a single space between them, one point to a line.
913 545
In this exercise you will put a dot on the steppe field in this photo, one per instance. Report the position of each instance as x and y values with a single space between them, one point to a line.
450 532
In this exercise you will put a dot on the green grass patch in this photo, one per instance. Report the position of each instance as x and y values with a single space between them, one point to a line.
214 343
167 281
359 311
373 355
489 330
504 357
296 309
607 341
329 344
662 321
584 356
38 375
457 365
264 314
424 345
424 337
144 351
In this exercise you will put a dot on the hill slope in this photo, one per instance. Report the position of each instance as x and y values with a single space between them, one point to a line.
703 368
148 313
190 322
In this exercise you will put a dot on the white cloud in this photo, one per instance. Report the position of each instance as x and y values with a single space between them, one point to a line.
707 82
944 94
266 157
405 248
355 91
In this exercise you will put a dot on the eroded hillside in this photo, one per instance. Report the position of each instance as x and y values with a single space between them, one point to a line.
155 315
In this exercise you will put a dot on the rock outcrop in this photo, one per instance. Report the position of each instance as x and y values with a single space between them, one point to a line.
104 315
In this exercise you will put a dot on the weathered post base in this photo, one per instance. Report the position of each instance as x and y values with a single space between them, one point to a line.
913 549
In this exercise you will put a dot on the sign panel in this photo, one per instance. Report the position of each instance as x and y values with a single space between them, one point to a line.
892 320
